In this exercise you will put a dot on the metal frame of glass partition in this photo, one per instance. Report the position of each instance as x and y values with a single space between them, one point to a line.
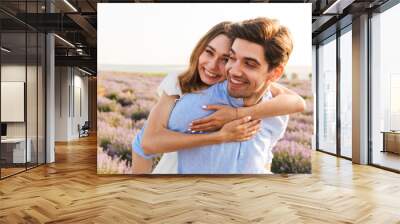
43 54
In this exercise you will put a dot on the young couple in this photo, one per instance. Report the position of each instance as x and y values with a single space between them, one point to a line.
223 114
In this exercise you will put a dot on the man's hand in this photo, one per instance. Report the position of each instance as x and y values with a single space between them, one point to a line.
222 115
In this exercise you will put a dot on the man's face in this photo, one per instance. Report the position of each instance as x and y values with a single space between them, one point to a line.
247 69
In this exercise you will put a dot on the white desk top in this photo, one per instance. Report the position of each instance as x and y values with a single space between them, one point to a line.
13 140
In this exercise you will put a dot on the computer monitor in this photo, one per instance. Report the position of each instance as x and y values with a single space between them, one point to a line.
3 129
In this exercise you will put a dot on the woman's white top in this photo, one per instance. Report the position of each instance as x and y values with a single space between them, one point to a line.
168 163
170 85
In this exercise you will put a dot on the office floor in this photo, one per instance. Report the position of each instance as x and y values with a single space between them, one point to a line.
70 191
13 169
387 159
9 171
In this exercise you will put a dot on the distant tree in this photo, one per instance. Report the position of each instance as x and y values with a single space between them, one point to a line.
310 76
284 76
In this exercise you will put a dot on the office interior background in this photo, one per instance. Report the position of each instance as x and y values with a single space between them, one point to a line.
48 76
357 81
48 83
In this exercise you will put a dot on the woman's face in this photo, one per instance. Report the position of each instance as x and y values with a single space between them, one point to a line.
212 60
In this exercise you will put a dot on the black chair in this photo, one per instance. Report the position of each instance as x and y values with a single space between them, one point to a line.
84 130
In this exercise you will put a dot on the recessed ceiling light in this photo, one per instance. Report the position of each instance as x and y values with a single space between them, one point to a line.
338 6
64 40
70 5
84 71
5 50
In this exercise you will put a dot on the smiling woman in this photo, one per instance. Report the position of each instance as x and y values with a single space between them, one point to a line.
207 65
211 62
207 62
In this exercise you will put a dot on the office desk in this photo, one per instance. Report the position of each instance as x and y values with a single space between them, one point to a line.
391 141
15 148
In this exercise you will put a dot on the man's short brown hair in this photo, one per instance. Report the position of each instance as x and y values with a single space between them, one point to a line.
273 37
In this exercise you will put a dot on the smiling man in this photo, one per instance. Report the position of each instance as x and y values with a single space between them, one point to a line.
260 50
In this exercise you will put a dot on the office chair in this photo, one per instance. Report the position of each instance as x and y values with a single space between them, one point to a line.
84 130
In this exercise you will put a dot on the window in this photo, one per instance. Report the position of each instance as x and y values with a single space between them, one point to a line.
327 96
385 87
346 93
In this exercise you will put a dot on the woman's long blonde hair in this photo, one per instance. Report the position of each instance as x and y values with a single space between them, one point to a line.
189 80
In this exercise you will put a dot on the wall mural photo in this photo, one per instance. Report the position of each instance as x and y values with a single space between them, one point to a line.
204 89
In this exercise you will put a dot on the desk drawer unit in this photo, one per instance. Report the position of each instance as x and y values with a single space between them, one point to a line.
19 154
392 142
13 151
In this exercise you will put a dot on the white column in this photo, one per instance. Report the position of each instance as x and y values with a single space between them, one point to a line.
50 109
50 92
360 90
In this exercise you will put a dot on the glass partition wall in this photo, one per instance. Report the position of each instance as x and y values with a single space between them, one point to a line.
327 95
334 89
346 92
22 87
13 90
334 94
385 90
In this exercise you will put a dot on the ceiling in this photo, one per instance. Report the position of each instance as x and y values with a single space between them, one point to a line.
76 22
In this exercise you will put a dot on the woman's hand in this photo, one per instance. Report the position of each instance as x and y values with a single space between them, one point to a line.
222 115
239 130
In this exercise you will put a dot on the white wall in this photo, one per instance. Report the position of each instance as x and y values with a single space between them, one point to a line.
70 83
62 80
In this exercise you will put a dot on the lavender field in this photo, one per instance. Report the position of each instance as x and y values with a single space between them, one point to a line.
125 99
